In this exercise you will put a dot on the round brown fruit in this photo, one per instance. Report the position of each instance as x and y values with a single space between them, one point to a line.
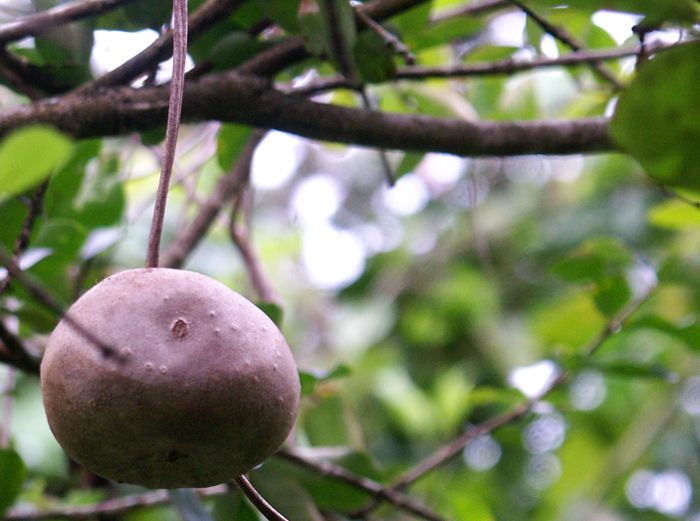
201 386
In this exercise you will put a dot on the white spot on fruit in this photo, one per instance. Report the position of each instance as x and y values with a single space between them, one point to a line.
212 313
148 366
163 369
126 351
217 331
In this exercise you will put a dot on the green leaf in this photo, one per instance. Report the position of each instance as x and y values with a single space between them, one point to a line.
12 474
675 215
374 58
153 13
593 261
656 10
688 333
442 33
331 42
273 311
409 162
633 370
13 212
332 495
656 119
233 49
612 294
285 494
21 167
229 144
284 13
313 32
309 380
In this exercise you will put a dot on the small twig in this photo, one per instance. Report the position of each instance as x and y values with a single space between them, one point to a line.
389 38
45 299
207 14
15 77
348 68
226 188
481 243
383 159
240 235
269 62
6 393
111 507
14 353
448 451
568 39
37 23
471 9
381 493
28 78
681 197
177 86
257 500
505 66
35 205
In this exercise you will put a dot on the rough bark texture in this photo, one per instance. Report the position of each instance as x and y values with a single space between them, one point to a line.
252 101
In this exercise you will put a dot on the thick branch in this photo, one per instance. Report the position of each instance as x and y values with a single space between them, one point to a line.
251 101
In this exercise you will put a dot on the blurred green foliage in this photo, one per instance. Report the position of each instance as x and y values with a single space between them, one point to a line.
416 311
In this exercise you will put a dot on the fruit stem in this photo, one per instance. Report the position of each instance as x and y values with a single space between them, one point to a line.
267 510
177 86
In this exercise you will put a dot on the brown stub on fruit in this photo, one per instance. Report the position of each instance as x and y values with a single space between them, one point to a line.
195 403
180 328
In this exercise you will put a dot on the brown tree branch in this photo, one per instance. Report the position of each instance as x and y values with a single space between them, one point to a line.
505 66
14 76
472 9
209 13
6 395
327 469
240 236
226 188
37 23
272 61
37 291
22 242
389 38
447 452
569 40
251 101
14 353
110 507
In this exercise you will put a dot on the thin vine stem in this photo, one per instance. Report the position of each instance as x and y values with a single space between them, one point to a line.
177 86
265 508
